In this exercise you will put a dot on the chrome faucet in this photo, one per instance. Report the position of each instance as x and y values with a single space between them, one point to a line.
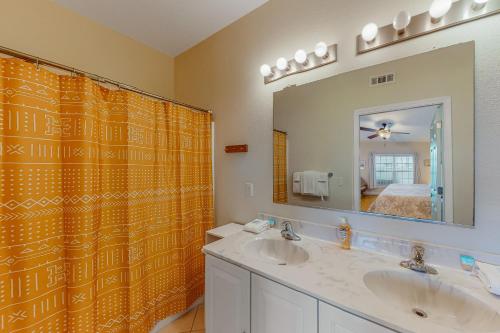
288 233
417 263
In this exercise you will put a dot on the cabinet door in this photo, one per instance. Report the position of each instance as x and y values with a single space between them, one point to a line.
333 320
276 308
227 297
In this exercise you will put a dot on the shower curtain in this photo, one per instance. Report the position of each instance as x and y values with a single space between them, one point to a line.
280 194
105 196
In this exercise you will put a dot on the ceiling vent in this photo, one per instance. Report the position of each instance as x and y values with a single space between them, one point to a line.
382 79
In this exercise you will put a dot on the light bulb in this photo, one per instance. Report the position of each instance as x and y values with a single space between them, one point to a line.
479 4
301 57
282 64
401 21
439 8
369 32
265 70
321 50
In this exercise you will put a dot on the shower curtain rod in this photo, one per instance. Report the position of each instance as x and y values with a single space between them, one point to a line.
100 79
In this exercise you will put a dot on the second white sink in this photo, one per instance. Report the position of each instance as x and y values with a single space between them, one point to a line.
430 299
277 251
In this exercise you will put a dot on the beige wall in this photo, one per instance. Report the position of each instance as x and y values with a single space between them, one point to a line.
319 119
46 30
222 73
422 149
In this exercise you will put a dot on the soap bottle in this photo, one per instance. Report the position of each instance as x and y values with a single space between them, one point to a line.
345 233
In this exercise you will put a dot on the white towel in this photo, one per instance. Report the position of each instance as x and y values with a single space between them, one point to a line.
490 276
297 179
322 185
308 184
256 226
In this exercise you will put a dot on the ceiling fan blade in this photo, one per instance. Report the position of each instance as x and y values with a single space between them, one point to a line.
367 129
373 136
399 132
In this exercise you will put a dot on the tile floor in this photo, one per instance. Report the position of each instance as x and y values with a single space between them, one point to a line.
191 322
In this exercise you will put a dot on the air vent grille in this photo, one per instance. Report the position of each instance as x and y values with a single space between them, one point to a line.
382 79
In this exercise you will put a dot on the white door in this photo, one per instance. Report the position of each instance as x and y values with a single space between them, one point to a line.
277 309
333 320
437 172
227 297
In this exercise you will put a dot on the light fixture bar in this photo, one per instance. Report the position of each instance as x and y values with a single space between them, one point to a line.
461 11
294 67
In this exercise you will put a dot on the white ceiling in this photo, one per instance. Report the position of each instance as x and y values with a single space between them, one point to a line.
171 26
416 121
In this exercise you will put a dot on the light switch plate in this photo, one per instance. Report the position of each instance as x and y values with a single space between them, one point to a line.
249 189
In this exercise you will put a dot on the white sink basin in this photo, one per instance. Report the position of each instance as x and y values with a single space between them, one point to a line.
277 251
428 298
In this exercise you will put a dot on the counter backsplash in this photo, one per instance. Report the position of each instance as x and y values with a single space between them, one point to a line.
435 254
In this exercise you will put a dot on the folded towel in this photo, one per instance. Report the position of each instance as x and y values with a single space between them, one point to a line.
256 226
490 276
322 185
309 180
297 177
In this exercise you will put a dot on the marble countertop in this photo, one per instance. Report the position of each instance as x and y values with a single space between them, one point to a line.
335 276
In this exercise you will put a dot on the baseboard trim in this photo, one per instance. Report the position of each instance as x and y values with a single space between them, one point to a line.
165 322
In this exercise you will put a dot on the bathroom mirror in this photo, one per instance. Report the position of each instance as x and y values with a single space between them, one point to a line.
394 139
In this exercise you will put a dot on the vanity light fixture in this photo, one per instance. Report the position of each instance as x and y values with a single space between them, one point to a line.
302 61
301 57
321 50
443 14
438 9
401 21
265 70
282 64
369 32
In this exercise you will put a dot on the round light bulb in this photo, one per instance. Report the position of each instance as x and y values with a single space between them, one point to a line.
369 32
479 4
301 57
321 50
439 8
282 64
401 21
265 70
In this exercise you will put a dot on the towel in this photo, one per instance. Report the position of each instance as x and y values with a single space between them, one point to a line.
490 276
322 185
308 184
297 179
256 226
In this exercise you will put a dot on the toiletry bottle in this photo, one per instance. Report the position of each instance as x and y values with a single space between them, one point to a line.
345 233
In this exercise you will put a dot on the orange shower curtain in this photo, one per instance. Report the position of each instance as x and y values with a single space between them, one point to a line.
280 194
105 196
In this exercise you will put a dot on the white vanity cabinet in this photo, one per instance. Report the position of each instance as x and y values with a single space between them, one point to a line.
227 297
238 301
334 320
276 308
